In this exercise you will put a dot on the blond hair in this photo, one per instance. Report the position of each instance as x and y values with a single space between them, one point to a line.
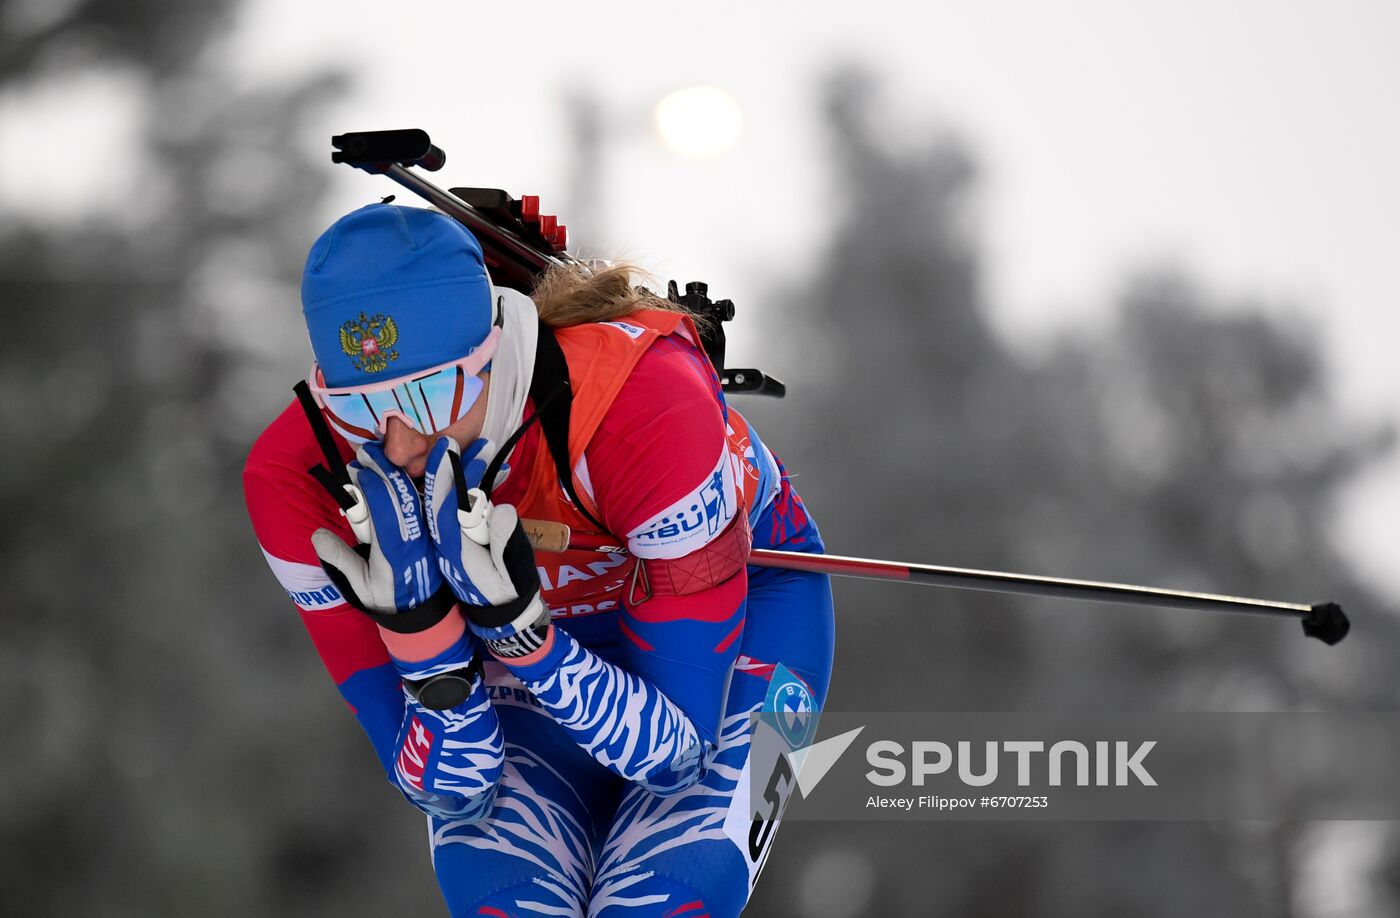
569 294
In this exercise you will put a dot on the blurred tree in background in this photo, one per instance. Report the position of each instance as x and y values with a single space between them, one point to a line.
172 747
1185 443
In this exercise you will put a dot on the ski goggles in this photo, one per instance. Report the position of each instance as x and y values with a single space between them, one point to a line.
428 401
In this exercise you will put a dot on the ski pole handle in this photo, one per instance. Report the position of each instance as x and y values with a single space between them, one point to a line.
546 535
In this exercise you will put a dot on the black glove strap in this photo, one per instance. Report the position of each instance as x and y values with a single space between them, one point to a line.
505 613
417 619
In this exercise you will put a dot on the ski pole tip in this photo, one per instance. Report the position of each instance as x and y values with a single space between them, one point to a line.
1326 622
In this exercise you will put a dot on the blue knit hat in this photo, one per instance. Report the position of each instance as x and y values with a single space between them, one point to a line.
389 291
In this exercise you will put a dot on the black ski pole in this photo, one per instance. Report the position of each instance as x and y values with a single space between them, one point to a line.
1323 620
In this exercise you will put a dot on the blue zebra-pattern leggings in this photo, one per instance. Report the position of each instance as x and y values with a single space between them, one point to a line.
566 837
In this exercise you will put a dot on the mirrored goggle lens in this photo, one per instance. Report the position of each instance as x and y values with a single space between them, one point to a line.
427 404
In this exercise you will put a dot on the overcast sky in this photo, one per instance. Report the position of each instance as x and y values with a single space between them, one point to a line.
1255 143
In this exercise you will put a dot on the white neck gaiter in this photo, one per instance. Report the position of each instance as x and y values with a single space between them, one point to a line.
511 368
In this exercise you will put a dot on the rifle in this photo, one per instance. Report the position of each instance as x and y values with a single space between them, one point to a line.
520 243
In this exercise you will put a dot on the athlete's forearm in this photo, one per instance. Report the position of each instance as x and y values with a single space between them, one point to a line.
448 762
622 720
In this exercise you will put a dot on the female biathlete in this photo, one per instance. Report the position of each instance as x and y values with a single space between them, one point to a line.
576 725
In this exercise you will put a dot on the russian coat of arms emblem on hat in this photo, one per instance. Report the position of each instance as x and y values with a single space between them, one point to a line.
369 342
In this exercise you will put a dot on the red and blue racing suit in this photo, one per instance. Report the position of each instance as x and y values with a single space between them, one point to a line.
621 786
